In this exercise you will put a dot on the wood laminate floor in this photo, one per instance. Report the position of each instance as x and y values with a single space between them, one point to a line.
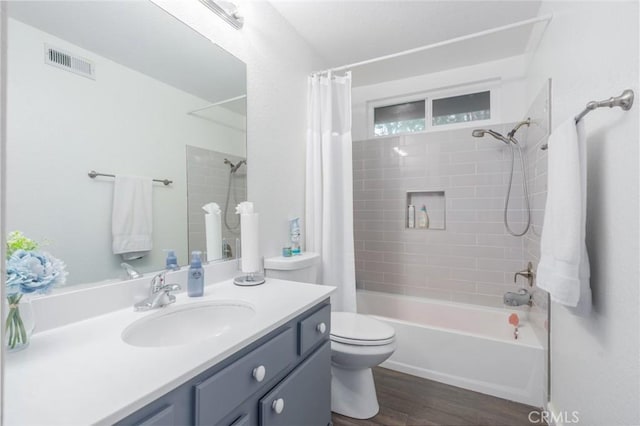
413 401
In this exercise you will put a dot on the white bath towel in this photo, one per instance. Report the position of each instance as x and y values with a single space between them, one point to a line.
564 264
131 218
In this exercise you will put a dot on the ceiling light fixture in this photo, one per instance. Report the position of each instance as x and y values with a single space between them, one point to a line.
227 11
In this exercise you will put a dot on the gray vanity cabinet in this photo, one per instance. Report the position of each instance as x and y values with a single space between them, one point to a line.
303 397
281 379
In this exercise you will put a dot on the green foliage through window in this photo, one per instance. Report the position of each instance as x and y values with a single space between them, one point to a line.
402 126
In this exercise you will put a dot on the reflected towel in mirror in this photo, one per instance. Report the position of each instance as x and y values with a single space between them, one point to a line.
131 217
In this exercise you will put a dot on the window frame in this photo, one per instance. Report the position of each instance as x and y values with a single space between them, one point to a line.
493 87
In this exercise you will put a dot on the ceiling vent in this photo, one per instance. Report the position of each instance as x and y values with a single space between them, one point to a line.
67 61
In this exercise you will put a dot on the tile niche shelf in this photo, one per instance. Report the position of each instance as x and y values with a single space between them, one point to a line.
435 203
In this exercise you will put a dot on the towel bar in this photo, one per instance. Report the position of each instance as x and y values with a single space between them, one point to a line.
93 174
624 101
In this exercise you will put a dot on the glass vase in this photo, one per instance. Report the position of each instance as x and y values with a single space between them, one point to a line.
20 322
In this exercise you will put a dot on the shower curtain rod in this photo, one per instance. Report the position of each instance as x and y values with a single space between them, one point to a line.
545 18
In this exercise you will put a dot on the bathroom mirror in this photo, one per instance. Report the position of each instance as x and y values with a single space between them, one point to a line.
118 88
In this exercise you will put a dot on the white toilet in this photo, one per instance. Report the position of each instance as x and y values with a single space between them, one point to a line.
358 343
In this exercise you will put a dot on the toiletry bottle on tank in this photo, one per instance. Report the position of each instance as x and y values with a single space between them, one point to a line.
195 281
294 231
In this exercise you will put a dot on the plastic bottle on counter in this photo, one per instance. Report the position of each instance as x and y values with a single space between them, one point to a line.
195 280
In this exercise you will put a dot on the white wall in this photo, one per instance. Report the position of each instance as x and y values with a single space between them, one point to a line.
278 62
510 71
61 125
590 50
3 104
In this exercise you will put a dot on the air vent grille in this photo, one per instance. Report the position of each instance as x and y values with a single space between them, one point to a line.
68 61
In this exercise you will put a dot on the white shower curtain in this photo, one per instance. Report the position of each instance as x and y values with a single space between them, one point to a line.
329 185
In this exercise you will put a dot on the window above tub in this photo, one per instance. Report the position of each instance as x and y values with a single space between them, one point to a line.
435 110
461 108
407 117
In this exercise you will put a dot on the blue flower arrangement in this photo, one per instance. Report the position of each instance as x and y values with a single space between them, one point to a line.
29 270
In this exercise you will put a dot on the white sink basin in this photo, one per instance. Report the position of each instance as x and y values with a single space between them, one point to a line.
180 325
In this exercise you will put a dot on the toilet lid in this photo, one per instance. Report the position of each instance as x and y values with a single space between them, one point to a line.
357 329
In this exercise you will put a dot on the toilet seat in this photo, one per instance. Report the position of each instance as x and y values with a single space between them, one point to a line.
360 330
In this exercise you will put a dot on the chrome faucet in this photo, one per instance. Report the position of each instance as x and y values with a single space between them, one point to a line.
527 273
130 273
158 294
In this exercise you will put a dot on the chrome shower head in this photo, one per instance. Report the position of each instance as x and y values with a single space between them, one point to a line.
478 133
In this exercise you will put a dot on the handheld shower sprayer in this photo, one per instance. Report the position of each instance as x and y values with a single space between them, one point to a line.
511 141
479 133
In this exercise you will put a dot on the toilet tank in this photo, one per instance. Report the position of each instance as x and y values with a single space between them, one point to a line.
303 267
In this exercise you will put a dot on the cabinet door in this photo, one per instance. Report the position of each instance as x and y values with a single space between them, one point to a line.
217 396
303 397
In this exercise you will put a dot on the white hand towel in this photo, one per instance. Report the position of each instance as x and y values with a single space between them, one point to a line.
131 218
564 264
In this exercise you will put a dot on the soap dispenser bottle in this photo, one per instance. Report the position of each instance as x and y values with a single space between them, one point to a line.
195 280
172 261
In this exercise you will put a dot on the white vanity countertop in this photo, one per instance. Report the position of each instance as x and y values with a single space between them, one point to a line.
83 373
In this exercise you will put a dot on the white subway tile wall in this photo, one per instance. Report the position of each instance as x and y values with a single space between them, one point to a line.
474 259
207 181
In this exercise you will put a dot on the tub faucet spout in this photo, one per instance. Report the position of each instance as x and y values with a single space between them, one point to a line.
522 297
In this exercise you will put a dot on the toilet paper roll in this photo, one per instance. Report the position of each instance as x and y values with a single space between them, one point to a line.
249 243
213 230
213 233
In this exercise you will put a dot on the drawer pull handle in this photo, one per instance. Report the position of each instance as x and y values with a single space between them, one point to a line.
321 328
278 405
259 373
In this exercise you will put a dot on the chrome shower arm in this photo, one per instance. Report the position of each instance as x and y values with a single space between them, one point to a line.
513 131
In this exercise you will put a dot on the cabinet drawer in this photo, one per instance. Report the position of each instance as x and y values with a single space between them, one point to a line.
219 394
314 329
304 397
164 417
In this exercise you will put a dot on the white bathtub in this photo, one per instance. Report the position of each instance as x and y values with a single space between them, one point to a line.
463 345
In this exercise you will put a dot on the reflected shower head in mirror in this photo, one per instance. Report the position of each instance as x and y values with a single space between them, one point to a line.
235 167
479 133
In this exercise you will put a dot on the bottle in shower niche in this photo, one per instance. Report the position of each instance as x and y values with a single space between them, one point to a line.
195 280
423 218
411 216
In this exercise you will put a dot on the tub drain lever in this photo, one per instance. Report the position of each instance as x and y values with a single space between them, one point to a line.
514 320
